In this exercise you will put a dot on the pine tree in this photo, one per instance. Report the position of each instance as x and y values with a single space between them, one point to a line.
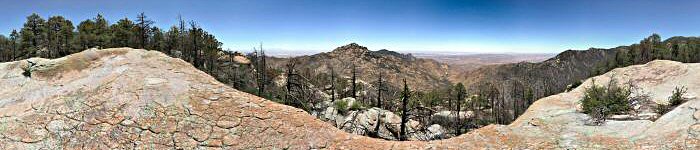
157 40
33 35
101 32
172 38
529 96
59 35
212 47
122 35
14 44
195 35
86 35
449 98
4 50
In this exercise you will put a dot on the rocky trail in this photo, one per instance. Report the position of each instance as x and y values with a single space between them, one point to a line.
124 98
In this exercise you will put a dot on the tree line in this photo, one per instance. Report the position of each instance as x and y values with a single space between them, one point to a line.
681 49
58 37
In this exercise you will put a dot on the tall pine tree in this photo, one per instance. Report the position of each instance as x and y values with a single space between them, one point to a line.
33 35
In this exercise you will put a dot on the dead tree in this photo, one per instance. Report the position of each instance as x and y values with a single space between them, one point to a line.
261 68
461 92
380 88
293 88
354 82
332 83
404 111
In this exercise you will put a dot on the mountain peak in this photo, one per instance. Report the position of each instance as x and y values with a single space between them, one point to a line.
351 49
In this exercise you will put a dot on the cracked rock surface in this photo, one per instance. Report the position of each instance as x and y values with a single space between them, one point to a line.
124 98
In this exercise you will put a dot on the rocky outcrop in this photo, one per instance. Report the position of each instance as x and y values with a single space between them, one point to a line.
350 50
137 99
364 122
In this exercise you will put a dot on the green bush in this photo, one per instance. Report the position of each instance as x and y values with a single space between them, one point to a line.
674 100
356 106
601 101
341 106
677 96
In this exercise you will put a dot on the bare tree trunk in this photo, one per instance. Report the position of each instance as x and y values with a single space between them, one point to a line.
354 82
332 83
404 112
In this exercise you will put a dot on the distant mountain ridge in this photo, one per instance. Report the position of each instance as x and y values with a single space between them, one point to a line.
424 73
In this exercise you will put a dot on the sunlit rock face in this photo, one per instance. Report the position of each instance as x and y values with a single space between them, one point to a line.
136 99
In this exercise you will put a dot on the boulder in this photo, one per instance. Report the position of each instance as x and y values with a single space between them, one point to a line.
463 115
364 122
436 131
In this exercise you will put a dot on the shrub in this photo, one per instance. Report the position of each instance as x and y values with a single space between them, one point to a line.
662 109
341 106
674 100
356 106
677 96
601 101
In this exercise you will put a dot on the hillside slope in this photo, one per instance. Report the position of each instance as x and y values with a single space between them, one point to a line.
424 74
125 98
547 76
513 87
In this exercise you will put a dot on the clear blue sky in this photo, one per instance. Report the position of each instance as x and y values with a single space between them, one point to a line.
402 25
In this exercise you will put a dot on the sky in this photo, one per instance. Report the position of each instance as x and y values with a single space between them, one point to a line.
465 26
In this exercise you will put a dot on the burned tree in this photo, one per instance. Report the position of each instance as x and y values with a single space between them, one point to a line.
143 26
261 67
294 87
333 80
380 88
354 81
461 92
298 90
404 111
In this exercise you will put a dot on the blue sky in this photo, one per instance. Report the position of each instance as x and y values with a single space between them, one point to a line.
525 26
